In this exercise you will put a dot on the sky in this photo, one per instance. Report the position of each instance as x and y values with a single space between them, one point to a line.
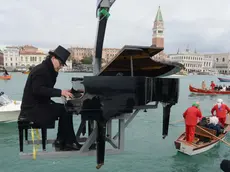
201 25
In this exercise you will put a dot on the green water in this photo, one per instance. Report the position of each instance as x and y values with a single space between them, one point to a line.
145 150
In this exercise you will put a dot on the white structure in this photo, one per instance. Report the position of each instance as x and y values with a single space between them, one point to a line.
221 62
192 61
31 59
32 56
207 63
11 56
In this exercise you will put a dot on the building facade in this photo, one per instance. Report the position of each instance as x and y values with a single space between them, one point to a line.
207 63
108 54
78 53
221 62
192 61
11 56
1 59
30 56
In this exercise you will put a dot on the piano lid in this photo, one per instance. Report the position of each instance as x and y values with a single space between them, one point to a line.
137 60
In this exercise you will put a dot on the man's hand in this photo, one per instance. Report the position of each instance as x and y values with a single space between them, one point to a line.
66 93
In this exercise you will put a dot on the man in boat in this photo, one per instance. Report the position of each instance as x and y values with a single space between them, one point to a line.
212 85
203 85
213 123
37 105
221 111
5 72
192 115
224 88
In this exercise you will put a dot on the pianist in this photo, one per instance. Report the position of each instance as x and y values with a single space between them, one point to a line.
37 105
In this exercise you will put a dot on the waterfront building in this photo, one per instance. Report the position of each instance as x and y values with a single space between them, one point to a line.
192 61
1 59
221 62
30 56
11 57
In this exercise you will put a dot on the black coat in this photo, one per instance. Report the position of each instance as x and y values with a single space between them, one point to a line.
36 101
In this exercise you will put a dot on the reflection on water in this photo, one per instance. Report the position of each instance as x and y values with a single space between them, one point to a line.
182 162
202 95
205 97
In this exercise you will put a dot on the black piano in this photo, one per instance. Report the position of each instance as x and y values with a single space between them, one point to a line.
130 81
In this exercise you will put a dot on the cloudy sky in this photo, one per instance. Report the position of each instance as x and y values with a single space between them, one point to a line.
202 24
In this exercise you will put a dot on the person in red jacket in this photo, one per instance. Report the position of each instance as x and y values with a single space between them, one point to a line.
192 115
212 85
221 111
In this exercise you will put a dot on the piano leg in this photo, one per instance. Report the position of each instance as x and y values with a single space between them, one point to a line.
166 116
101 132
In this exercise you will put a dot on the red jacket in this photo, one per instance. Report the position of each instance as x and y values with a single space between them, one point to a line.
191 116
212 86
220 112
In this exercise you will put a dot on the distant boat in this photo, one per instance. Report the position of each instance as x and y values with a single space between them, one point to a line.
26 72
224 79
211 92
5 77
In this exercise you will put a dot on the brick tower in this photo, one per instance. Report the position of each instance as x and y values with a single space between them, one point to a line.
158 30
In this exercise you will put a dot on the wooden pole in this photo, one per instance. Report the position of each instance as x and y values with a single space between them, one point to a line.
214 135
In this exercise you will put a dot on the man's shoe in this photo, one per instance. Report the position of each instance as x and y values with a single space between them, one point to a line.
59 145
72 147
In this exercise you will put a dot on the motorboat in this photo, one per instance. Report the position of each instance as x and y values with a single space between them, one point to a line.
9 109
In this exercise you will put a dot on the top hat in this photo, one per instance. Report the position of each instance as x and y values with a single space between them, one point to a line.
60 53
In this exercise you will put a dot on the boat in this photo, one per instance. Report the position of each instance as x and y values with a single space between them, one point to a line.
199 145
202 91
9 109
5 77
224 79
26 72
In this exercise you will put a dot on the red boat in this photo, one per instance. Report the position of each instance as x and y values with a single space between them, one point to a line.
201 91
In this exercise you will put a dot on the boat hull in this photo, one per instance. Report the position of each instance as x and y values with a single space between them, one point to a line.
201 91
8 77
197 148
26 72
6 117
224 79
188 149
10 112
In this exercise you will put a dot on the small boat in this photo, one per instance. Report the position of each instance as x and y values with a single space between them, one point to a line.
26 72
5 77
224 79
203 141
9 109
201 91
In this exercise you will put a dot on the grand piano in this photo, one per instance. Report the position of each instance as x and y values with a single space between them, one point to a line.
124 86
132 81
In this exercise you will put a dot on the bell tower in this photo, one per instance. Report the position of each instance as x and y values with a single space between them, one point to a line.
158 30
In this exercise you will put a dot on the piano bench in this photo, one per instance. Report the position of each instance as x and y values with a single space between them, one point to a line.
24 125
